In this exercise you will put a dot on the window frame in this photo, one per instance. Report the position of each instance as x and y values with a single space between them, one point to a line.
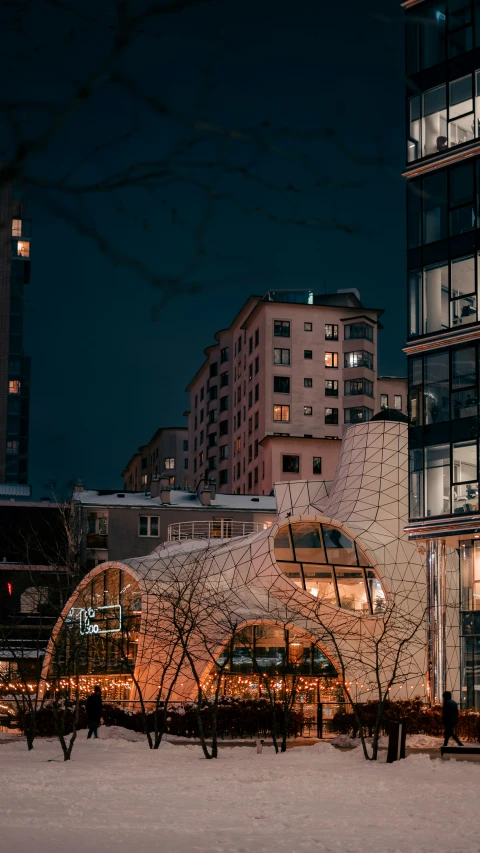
149 534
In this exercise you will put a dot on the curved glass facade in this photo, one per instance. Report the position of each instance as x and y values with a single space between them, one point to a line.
324 561
99 636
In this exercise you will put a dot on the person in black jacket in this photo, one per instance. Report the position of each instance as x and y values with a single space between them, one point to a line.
450 717
94 711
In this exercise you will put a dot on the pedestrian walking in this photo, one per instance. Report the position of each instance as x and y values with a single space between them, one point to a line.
94 711
450 717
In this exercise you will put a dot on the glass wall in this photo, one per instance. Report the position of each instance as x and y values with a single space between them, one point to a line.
443 296
443 386
443 117
100 633
444 479
324 561
272 650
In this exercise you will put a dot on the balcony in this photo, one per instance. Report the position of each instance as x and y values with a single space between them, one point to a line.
220 528
97 540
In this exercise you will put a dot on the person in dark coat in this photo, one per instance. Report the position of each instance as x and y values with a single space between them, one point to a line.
450 717
94 711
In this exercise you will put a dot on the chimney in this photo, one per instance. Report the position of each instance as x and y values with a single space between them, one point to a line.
205 497
78 487
155 487
164 481
165 494
213 489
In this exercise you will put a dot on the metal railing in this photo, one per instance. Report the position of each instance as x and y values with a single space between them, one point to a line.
220 528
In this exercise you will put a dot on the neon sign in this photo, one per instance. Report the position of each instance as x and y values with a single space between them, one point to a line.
101 620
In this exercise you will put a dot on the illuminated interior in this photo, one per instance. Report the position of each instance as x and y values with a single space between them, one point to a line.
325 562
99 636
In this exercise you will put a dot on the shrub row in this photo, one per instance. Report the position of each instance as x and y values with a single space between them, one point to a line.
236 718
418 718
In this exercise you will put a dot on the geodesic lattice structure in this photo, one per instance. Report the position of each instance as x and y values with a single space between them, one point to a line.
242 581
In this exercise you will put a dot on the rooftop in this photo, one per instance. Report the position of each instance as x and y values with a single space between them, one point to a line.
178 500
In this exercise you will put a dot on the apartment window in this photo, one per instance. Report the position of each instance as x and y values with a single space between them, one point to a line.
239 369
148 525
223 404
358 386
239 344
213 369
257 364
201 457
255 476
212 439
358 415
358 358
307 327
239 418
331 387
97 523
202 394
257 393
317 465
194 466
14 386
250 426
238 444
212 416
331 332
249 480
307 382
223 477
224 451
257 337
201 437
281 384
185 446
355 331
384 401
196 401
443 295
169 462
202 415
281 413
397 402
16 227
250 346
212 463
195 443
12 447
255 420
223 379
213 393
23 248
291 464
307 353
331 359
281 356
250 399
185 463
331 416
307 410
281 328
195 422
250 452
224 355
238 470
255 448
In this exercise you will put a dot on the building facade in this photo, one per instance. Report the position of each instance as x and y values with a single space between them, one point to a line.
443 173
276 392
165 454
15 251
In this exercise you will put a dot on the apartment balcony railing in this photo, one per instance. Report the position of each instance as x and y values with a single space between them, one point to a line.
220 528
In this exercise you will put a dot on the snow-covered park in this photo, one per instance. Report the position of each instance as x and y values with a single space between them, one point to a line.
116 795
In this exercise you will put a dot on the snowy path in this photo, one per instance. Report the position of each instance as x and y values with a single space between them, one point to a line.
118 796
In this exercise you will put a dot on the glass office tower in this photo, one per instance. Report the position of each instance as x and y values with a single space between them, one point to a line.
443 348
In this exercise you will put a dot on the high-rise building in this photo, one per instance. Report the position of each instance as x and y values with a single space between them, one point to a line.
274 395
443 183
14 365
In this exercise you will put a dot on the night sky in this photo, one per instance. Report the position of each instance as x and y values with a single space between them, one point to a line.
129 284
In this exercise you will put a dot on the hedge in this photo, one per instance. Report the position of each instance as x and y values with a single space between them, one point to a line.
418 718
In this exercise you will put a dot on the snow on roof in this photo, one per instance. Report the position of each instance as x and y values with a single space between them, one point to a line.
178 500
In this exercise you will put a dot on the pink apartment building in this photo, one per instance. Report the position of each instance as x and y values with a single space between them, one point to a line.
276 392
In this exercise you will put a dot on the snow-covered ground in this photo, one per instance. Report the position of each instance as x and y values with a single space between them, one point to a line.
116 795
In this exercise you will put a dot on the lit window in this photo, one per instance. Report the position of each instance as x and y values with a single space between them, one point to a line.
169 463
16 228
397 402
14 386
148 525
307 327
281 356
97 523
331 332
281 413
307 410
23 249
384 401
281 328
331 387
307 382
331 359
12 448
317 465
331 416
